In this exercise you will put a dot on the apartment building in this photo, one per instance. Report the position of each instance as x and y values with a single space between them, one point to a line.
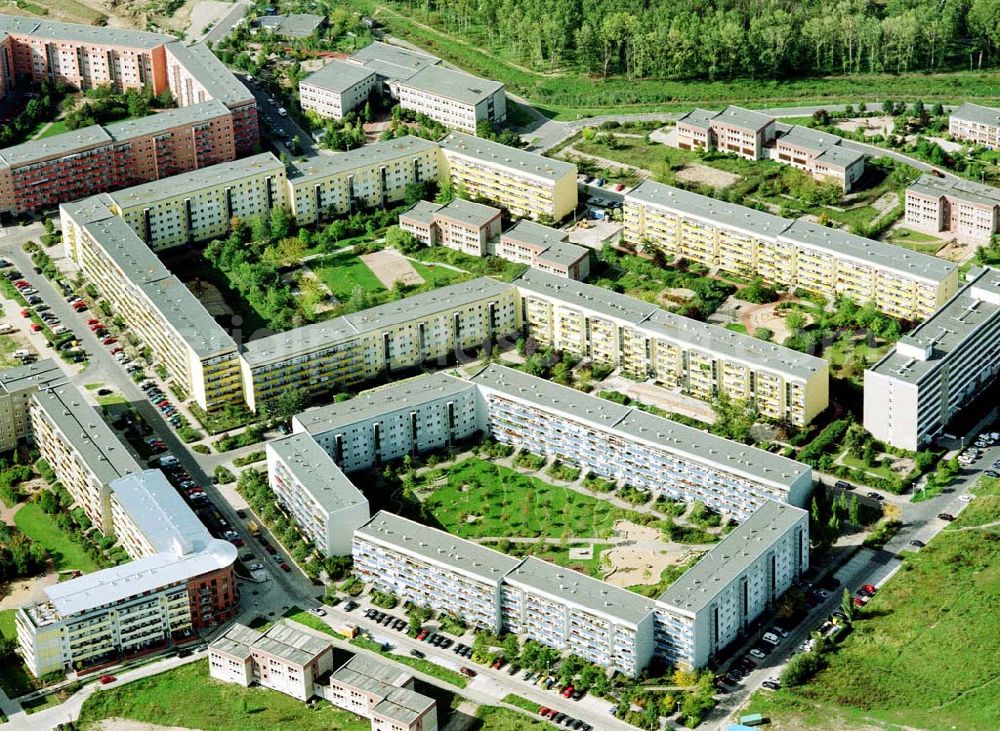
819 154
544 248
432 568
287 657
382 692
976 124
81 449
441 325
412 416
967 211
938 369
337 89
161 311
461 225
571 612
524 183
645 341
17 385
325 505
367 177
902 283
714 603
733 130
454 98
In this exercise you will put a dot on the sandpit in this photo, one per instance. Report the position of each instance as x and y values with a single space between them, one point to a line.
391 267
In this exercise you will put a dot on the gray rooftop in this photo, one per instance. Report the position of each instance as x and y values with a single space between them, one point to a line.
318 167
407 536
890 257
509 158
294 645
61 145
236 641
700 118
318 474
670 326
42 374
159 122
306 339
393 62
421 212
683 441
160 513
293 25
88 210
977 113
468 212
210 177
710 210
841 156
128 252
188 317
338 76
83 428
219 82
564 585
52 29
974 307
457 86
403 705
551 242
703 582
371 675
966 190
807 138
745 118
564 253
377 402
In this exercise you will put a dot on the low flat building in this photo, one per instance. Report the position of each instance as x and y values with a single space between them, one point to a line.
461 225
392 63
820 154
976 124
325 505
17 384
382 692
951 207
544 248
337 89
734 130
938 369
292 25
454 98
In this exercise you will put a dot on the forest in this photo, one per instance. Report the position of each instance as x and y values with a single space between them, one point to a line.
726 39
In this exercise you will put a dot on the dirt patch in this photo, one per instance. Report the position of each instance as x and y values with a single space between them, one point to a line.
632 565
391 267
124 724
26 591
956 252
205 13
210 298
633 532
695 172
675 296
871 126
770 317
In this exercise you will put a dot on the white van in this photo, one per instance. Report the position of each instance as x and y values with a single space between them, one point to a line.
22 353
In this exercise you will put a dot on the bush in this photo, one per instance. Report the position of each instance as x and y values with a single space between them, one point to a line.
189 434
801 668
224 476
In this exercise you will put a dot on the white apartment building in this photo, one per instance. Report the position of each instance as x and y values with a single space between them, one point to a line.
461 225
902 283
714 602
699 359
325 505
524 183
938 369
17 384
337 89
287 658
976 124
544 248
432 568
367 177
454 98
571 612
382 692
968 211
383 424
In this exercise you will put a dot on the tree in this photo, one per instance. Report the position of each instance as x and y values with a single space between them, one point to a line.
480 648
415 623
888 106
281 223
289 403
801 668
511 648
402 241
853 511
847 604
795 321
48 501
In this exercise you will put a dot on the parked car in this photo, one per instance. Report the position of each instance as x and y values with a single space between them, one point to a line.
874 495
105 679
467 672
917 544
771 638
754 652
946 516
417 653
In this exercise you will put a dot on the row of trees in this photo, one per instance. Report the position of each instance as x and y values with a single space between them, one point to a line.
40 108
102 105
729 38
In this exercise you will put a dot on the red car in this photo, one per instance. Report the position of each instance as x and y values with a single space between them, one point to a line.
105 679
543 711
869 589
423 634
35 327
25 313
620 186
109 340
467 672
567 691
92 321
79 306
22 283
285 567
94 326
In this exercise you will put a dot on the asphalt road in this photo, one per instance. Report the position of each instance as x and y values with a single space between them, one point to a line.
226 23
269 118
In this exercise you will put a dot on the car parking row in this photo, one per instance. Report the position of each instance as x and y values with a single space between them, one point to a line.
563 719
164 405
199 501
40 312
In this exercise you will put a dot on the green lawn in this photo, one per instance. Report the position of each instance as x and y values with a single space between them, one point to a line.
881 471
737 328
482 499
14 677
923 653
7 347
915 240
57 128
66 553
516 700
438 276
187 697
343 272
495 718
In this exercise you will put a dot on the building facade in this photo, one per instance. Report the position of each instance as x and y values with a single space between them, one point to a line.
460 225
382 692
976 124
819 154
337 89
454 98
734 130
16 387
968 211
543 248
938 369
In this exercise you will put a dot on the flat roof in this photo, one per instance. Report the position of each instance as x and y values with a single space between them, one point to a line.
684 441
700 118
212 176
564 253
291 644
841 156
338 76
377 402
966 190
219 82
509 158
116 584
671 326
236 641
61 145
868 251
161 121
712 211
87 210
807 137
571 587
317 473
437 546
393 62
160 513
318 167
474 214
745 118
535 234
292 25
457 86
403 705
128 252
701 584
55 30
280 346
978 113
371 675
976 305
85 431
188 317
32 375
421 212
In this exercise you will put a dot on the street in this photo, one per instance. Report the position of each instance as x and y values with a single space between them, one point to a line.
222 28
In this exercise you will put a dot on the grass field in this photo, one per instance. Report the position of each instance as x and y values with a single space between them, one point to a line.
506 503
7 347
14 678
923 652
57 128
915 240
66 553
495 718
342 273
73 11
187 697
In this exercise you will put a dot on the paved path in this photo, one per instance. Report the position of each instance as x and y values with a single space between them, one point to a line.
227 22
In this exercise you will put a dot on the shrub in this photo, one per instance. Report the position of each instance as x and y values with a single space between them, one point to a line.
801 668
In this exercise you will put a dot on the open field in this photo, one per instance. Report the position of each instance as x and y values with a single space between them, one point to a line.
495 718
66 553
915 240
68 10
343 272
923 651
56 128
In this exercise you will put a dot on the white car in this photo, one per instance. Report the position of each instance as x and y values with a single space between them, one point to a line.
770 638
966 498
754 652
255 566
